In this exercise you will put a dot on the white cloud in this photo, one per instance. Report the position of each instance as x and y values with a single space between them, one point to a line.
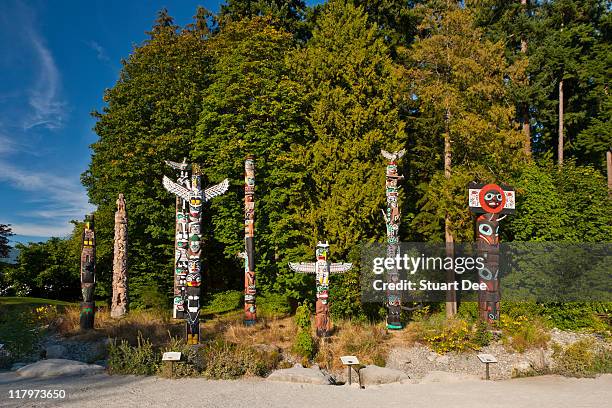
44 99
42 230
100 51
59 200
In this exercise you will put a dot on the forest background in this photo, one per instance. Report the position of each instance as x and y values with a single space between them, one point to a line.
513 92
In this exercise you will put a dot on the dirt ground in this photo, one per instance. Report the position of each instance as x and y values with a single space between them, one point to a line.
130 391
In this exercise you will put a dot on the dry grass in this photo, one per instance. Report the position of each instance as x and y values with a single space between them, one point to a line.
153 325
279 332
369 342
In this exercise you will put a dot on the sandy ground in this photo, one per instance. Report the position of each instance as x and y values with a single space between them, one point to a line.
130 391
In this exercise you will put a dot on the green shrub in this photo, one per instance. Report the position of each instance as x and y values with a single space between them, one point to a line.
19 332
223 360
583 358
304 345
578 315
523 333
141 359
302 317
468 311
482 335
443 335
223 302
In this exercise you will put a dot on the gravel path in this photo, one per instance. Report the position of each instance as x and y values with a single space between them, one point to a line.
129 391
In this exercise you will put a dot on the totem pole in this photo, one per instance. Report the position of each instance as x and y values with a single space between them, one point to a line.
119 304
187 270
322 268
488 202
88 274
392 219
250 310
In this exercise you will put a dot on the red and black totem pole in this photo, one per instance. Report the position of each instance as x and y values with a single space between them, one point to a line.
88 273
488 202
392 219
322 269
250 309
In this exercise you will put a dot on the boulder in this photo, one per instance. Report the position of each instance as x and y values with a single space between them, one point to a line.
522 369
372 375
299 374
17 366
55 351
58 367
447 377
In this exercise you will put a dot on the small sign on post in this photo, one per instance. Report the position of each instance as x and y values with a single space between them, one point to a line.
171 356
487 359
352 362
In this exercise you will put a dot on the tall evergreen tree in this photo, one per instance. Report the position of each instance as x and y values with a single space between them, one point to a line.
150 116
5 233
459 80
251 107
352 84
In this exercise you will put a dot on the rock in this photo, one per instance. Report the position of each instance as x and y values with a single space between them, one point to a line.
58 367
522 368
17 366
371 375
447 377
267 348
299 374
55 351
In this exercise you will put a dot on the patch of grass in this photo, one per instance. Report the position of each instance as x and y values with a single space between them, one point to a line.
223 302
20 331
30 301
141 359
584 358
368 341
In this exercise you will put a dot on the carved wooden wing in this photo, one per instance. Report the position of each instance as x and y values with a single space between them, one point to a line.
176 189
340 267
303 267
216 190
393 156
179 166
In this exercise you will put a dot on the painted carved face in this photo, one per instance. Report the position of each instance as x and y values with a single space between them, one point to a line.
194 279
181 218
195 201
194 266
194 244
321 252
194 228
493 198
487 231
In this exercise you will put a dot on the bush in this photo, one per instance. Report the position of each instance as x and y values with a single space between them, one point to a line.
304 345
523 333
19 332
583 358
443 335
225 361
482 335
302 317
141 359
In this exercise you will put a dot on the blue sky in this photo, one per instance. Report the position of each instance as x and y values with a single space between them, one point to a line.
56 60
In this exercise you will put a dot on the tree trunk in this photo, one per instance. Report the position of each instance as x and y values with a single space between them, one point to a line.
525 108
560 146
609 160
451 296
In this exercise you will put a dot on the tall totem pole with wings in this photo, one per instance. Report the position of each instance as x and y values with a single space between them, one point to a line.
392 219
322 269
187 268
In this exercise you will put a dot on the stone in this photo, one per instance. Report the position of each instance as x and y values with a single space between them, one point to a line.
55 351
522 368
58 367
372 375
447 377
299 374
17 366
